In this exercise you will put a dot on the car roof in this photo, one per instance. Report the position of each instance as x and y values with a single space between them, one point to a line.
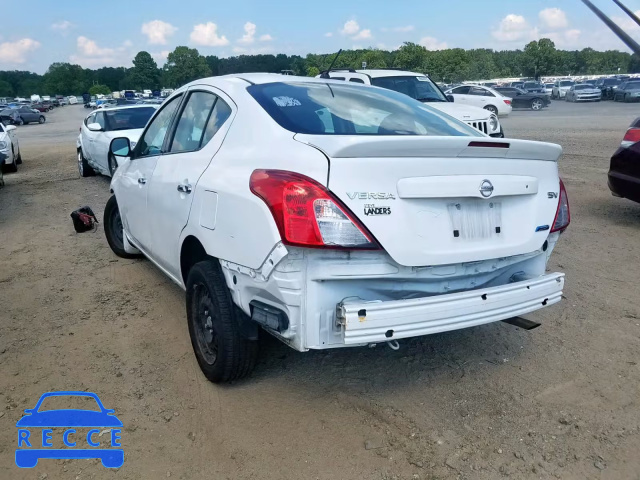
127 107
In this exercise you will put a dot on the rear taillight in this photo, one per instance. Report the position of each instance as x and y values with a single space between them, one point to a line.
632 136
563 215
507 101
307 214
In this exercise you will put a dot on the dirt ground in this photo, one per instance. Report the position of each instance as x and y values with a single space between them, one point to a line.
495 401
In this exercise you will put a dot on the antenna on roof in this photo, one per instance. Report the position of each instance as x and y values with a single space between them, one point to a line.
627 11
622 35
325 73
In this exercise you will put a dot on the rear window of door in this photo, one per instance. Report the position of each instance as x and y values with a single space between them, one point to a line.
200 119
461 90
153 137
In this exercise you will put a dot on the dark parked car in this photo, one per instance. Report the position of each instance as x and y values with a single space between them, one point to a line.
627 91
522 99
27 115
10 116
624 172
40 107
608 87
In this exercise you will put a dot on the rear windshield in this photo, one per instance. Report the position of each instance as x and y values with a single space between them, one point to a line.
582 87
344 109
532 85
611 81
129 118
567 83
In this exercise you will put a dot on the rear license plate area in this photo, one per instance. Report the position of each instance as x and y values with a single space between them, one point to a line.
475 220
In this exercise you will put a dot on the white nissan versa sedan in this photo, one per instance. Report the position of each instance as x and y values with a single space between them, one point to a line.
333 214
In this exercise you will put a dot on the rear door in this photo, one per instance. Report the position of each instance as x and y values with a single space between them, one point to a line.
133 184
461 94
478 97
88 137
100 143
196 137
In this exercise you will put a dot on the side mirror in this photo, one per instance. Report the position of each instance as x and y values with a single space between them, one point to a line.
451 98
94 127
9 128
120 147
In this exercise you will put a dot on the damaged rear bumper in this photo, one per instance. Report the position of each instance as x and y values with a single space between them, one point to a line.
372 322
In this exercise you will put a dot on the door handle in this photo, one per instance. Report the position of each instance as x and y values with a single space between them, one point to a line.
142 180
184 188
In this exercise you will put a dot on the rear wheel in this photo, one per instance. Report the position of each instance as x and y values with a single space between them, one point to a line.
537 104
84 168
41 119
19 159
223 353
20 121
492 109
114 230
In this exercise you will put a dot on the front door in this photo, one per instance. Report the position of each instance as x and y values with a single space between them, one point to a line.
132 188
195 139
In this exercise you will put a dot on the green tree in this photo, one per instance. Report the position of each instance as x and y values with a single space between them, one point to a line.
183 66
6 90
311 72
65 79
540 57
410 56
145 73
99 90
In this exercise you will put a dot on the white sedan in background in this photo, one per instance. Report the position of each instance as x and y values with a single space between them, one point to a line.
483 97
102 126
9 148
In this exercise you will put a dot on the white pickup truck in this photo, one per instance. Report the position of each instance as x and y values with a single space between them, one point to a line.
332 214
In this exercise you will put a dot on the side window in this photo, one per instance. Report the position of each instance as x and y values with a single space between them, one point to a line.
100 120
356 80
337 78
151 142
461 90
221 112
192 122
477 91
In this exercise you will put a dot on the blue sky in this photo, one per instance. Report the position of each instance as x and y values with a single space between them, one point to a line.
95 34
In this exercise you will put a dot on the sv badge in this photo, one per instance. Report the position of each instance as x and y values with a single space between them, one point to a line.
552 195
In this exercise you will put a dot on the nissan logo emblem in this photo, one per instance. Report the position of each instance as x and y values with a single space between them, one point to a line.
486 188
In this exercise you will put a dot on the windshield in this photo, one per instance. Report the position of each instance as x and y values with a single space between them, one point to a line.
129 118
633 86
420 88
343 109
567 83
583 87
611 81
532 85
549 85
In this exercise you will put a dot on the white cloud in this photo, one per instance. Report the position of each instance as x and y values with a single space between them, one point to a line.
63 27
350 28
89 54
512 28
328 34
249 33
431 43
553 19
160 57
206 34
404 29
128 44
16 52
158 31
266 38
362 35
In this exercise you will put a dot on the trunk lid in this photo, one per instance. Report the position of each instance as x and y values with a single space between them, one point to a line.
444 200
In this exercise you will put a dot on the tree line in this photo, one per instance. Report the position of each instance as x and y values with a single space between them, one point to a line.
537 58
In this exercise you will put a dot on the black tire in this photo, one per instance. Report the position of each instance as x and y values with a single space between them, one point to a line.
492 109
223 353
41 119
113 165
21 121
537 104
84 169
10 168
113 229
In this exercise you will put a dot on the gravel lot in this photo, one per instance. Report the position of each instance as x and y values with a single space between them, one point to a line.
561 401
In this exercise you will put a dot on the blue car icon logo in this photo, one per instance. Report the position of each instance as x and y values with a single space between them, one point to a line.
32 447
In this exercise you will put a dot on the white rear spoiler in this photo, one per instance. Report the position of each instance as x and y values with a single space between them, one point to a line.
363 146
